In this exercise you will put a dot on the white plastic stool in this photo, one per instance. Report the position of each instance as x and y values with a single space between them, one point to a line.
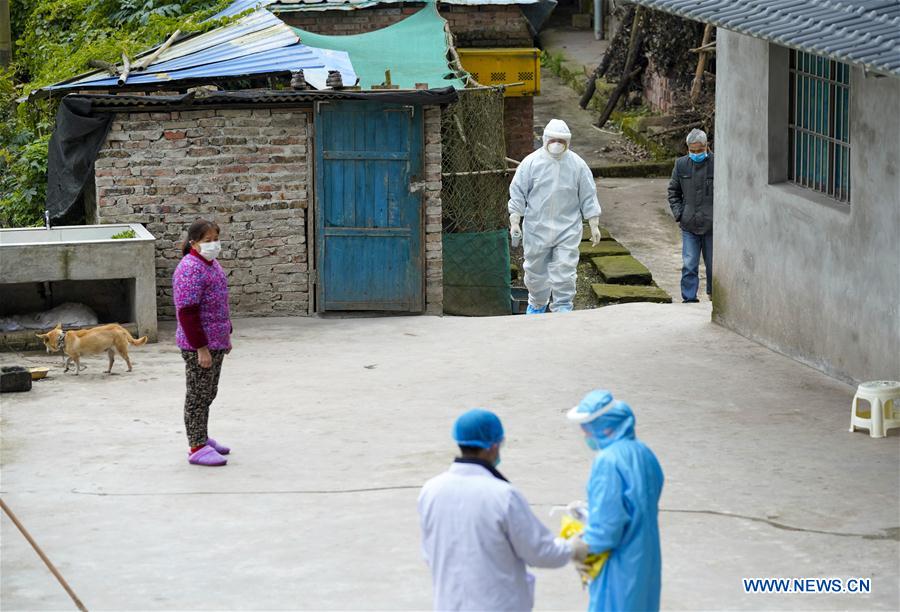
884 413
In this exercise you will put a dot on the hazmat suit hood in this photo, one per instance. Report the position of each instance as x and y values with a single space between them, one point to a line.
613 424
556 128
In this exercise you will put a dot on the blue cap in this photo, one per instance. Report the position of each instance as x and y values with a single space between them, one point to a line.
478 428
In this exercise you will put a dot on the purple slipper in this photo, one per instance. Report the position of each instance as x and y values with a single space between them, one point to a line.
221 449
207 456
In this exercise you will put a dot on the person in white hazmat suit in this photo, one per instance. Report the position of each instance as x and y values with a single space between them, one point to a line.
478 532
554 191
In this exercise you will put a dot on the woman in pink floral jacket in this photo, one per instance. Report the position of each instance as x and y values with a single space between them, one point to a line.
200 290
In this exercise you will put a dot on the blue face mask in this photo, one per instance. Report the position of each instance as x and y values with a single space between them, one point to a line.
497 461
593 443
698 157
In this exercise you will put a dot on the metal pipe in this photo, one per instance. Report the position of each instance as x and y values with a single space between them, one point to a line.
598 19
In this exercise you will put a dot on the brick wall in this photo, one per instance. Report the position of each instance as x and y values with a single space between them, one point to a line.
434 257
518 124
349 22
488 26
472 26
659 90
247 169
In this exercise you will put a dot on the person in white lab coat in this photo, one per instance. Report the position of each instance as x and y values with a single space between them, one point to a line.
478 532
554 190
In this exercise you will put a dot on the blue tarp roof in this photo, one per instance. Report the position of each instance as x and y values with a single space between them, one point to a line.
258 43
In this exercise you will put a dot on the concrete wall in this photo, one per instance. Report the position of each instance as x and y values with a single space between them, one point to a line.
795 270
114 277
250 171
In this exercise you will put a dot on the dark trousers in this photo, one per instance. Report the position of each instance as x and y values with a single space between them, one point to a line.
692 246
202 386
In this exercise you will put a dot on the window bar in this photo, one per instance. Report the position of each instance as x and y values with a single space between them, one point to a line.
846 120
795 152
832 119
838 123
804 110
820 110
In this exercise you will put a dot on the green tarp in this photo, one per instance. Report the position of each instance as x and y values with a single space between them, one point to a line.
414 50
476 274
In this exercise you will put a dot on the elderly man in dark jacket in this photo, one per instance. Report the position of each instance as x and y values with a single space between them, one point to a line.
691 200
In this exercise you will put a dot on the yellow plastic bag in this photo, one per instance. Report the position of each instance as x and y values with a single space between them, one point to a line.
570 528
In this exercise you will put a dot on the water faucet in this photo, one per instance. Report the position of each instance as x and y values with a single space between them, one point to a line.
47 219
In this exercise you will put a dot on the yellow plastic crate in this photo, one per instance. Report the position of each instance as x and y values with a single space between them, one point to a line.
505 66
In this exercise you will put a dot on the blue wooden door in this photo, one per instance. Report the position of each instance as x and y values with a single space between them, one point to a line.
369 222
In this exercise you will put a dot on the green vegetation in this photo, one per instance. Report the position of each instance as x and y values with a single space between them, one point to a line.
54 41
129 233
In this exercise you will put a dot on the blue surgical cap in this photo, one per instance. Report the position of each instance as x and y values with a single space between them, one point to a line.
478 428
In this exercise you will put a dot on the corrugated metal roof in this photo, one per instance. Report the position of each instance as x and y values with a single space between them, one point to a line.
224 99
861 32
258 43
239 6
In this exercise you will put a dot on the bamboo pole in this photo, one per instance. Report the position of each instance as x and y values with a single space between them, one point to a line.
126 69
43 557
146 61
701 64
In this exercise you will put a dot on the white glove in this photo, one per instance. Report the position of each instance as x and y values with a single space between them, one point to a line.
579 550
596 236
515 232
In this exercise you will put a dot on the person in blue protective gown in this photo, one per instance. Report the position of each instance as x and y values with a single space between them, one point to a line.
623 503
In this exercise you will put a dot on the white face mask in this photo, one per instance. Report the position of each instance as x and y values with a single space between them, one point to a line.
210 250
556 148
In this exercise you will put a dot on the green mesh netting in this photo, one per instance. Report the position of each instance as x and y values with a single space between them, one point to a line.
476 274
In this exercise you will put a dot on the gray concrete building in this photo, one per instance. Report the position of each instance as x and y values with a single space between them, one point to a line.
807 193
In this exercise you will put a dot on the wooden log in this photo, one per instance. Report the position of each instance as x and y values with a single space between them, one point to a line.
101 65
590 87
701 64
636 41
616 94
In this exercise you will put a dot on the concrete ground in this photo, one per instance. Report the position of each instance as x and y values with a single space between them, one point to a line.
636 213
335 424
598 147
577 45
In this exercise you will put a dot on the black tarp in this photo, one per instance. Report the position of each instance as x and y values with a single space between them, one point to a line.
73 148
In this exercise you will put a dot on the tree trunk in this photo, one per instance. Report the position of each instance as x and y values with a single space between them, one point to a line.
5 35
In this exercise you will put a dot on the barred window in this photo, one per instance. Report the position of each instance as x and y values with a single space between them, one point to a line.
819 125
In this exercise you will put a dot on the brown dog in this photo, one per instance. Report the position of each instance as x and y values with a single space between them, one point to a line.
54 339
110 338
